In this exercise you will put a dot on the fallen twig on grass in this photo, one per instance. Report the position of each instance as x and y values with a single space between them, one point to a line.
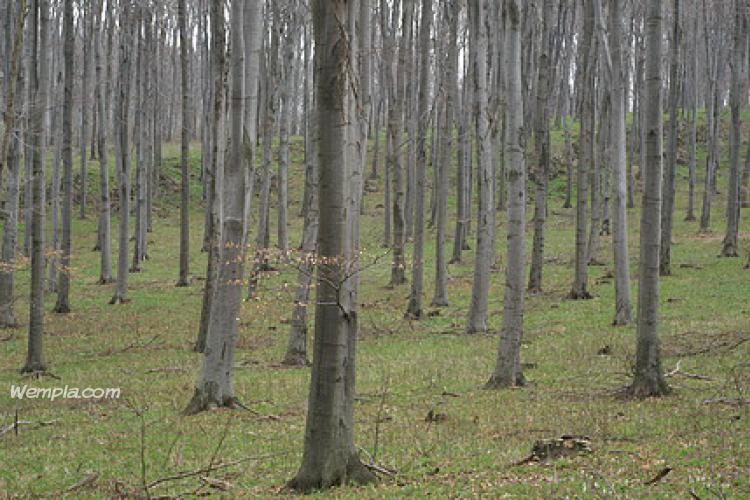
205 470
728 401
166 369
86 481
18 423
661 475
374 466
681 373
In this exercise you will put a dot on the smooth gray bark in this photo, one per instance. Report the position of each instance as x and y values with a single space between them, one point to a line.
183 279
508 372
648 377
105 232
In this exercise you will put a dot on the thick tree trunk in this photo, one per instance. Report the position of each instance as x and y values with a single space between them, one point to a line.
508 371
648 378
330 456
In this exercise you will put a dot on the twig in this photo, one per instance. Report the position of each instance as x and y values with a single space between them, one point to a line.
86 481
204 470
661 475
728 401
17 423
677 371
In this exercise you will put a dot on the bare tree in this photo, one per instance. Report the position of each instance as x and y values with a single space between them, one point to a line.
330 457
184 148
414 308
508 371
648 377
39 83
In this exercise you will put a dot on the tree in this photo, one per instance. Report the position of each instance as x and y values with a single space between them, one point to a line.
215 387
39 83
330 457
585 152
668 182
414 309
508 371
85 106
477 321
63 282
122 113
10 152
739 88
623 308
648 378
105 236
184 149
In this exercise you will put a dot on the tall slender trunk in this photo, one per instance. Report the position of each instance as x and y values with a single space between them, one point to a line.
623 308
85 107
648 378
477 320
508 370
122 119
183 279
39 82
670 172
736 100
63 285
414 308
105 236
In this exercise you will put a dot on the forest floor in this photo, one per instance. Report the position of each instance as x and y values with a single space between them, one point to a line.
421 410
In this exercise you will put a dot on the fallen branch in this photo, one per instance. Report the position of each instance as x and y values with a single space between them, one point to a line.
728 401
166 369
18 423
681 373
661 475
204 470
86 481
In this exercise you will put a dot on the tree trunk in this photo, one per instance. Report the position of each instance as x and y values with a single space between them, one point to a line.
85 106
183 279
39 83
648 378
63 285
508 371
739 87
330 456
623 308
477 320
105 236
414 308
670 172
122 113
215 387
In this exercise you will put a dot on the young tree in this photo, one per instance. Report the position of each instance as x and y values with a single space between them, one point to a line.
414 309
330 457
508 371
87 30
63 282
184 148
39 83
105 236
648 378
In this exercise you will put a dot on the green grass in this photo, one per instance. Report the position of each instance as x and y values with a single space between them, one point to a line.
404 370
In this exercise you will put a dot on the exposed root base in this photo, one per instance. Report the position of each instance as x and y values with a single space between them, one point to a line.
580 295
496 382
296 360
182 283
440 303
308 481
105 281
203 402
36 369
414 315
642 389
61 309
118 300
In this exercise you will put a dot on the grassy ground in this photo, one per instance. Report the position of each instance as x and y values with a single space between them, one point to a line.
405 370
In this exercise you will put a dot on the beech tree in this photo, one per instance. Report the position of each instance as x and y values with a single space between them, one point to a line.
330 457
648 378
184 148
